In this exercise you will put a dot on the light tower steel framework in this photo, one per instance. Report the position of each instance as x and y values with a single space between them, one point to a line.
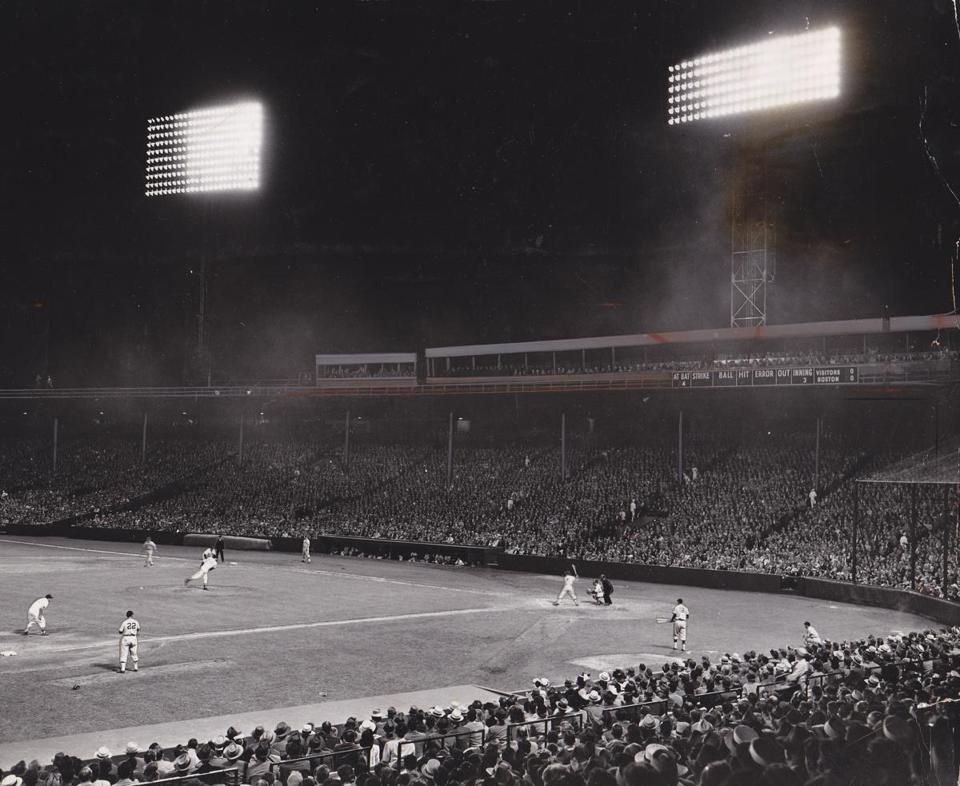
752 243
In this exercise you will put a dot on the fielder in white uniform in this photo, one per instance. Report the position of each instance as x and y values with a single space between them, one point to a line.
129 633
679 619
305 550
567 591
208 563
35 615
810 635
150 548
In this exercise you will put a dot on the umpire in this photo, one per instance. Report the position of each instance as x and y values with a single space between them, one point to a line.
219 548
607 586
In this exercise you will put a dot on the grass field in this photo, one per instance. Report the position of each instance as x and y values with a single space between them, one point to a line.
274 633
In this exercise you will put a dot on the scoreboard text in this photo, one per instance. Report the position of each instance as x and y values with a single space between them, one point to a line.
747 377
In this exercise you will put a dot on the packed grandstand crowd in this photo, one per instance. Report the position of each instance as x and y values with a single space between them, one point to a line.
741 504
876 711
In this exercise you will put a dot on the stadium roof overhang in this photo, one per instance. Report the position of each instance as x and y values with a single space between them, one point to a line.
847 327
939 466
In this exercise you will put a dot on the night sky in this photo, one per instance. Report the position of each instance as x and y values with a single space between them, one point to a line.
451 172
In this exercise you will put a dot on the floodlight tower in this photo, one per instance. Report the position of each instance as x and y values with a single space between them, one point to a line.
205 151
771 74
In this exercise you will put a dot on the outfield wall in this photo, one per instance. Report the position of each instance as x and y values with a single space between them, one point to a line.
393 549
942 611
658 574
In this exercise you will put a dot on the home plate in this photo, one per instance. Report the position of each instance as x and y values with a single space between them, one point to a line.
610 662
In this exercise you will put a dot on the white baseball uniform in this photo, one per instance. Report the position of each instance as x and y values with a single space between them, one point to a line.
35 615
129 633
811 636
209 562
150 548
597 591
680 616
305 550
567 591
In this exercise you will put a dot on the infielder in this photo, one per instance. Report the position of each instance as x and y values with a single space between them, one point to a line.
35 615
129 631
150 548
679 619
208 563
567 591
305 551
810 635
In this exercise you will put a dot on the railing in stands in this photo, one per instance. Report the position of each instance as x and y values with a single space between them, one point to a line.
417 745
580 717
351 756
229 777
631 712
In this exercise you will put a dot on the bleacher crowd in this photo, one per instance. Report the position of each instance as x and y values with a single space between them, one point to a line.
742 504
876 711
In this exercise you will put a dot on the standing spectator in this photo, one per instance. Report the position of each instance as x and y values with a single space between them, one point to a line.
391 742
475 726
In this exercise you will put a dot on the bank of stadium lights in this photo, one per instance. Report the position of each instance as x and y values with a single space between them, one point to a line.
212 149
769 74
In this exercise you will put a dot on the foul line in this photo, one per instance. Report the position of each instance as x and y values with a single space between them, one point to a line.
216 634
88 550
309 571
384 580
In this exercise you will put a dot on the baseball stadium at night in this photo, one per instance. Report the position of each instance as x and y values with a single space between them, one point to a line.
480 393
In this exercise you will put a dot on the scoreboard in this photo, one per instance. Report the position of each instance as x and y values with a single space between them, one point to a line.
756 377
